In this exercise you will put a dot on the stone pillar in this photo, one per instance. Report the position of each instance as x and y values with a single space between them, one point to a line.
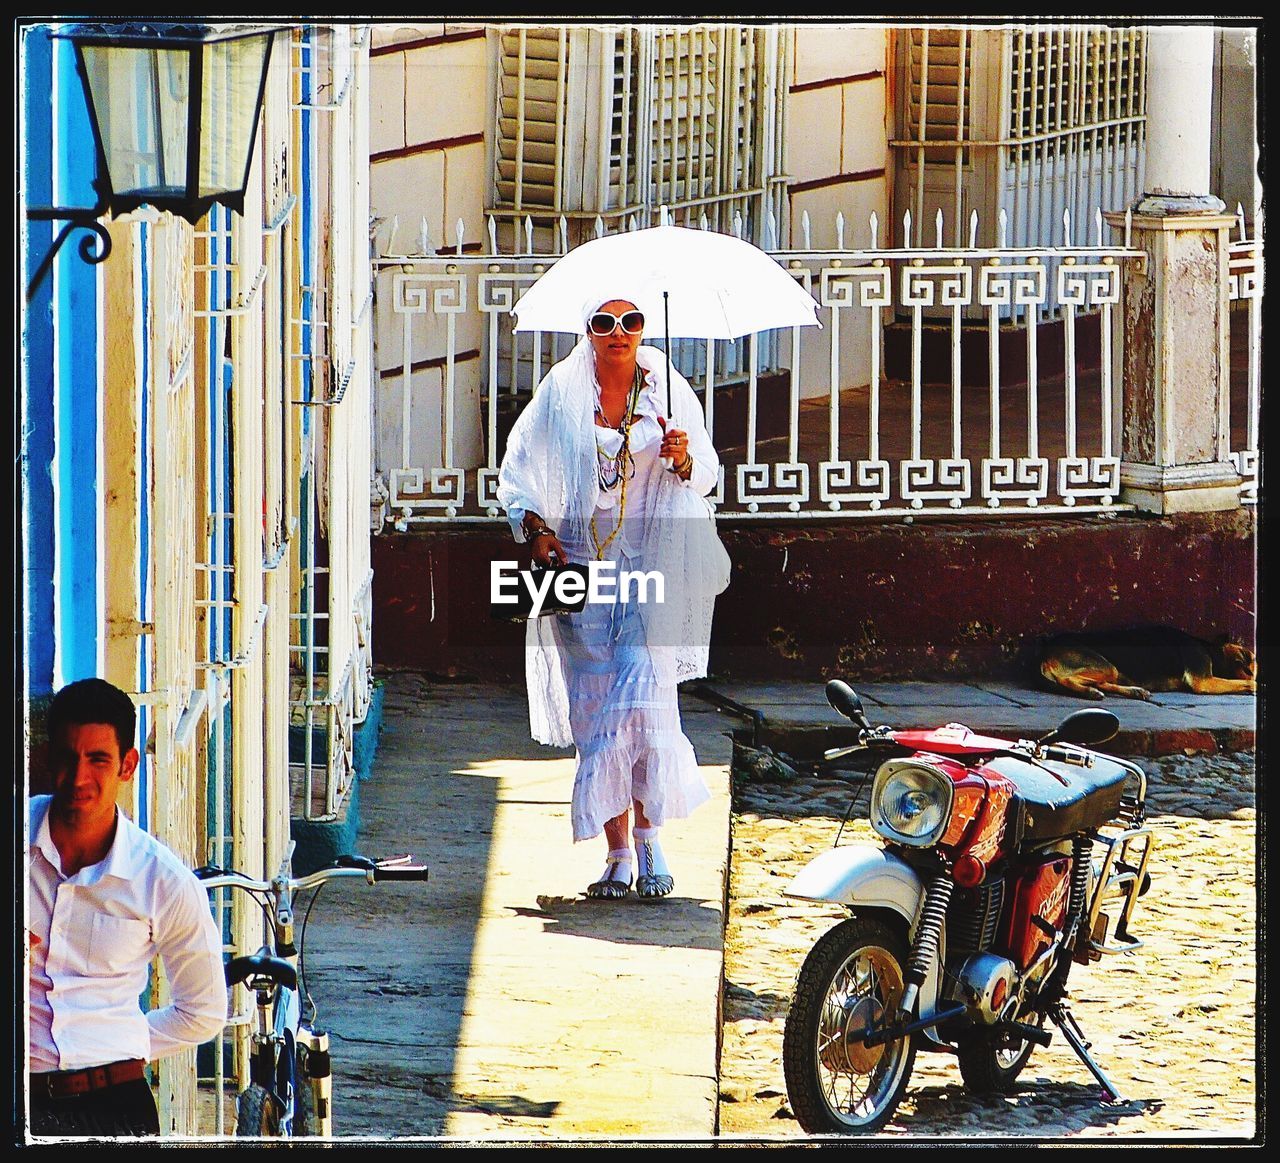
1179 121
1174 357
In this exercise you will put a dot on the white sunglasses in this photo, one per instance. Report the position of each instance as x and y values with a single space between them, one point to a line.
604 323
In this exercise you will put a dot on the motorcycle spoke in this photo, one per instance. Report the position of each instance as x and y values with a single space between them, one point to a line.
852 1075
847 989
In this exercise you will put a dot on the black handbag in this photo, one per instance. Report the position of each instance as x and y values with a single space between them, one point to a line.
520 586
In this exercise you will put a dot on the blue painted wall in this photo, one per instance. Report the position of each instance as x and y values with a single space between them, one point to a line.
36 449
60 461
75 326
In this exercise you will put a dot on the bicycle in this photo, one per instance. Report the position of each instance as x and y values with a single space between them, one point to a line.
290 1071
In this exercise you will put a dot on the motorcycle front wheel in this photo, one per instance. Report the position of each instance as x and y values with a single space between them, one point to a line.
851 982
991 1060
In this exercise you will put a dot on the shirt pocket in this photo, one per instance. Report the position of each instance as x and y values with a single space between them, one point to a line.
118 944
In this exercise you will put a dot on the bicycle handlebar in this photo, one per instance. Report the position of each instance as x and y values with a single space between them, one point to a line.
373 871
389 868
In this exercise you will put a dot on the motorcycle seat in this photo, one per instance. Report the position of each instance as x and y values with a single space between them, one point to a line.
1051 808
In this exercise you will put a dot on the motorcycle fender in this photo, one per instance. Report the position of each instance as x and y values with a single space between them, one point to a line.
860 876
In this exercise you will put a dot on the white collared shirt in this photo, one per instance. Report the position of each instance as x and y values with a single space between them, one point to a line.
96 934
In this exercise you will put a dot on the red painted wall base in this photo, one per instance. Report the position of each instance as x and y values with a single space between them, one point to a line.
859 600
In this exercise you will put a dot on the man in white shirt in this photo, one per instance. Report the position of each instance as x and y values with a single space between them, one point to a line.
105 899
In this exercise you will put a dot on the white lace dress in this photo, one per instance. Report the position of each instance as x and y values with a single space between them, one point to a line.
605 680
625 722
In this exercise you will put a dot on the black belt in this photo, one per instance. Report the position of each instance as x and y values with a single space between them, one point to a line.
66 1083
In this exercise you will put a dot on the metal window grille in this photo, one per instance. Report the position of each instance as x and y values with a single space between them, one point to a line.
610 123
330 646
1027 127
939 80
597 130
531 122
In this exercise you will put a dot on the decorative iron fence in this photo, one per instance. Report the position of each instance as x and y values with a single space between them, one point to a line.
1244 288
887 410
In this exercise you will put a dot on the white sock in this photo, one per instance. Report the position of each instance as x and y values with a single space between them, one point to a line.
649 858
622 871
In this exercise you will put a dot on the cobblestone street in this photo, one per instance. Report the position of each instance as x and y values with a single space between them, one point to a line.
1172 1023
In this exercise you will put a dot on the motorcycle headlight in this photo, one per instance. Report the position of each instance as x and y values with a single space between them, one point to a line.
911 802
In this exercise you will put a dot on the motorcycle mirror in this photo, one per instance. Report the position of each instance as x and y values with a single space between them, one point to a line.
844 699
1092 725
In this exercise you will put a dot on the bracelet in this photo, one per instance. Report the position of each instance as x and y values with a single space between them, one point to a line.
539 532
686 469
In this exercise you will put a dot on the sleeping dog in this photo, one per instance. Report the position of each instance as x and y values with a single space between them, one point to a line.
1135 662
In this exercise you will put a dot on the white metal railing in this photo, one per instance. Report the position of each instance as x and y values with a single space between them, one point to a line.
1244 283
843 434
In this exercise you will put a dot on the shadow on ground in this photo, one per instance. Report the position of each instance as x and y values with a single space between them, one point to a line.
626 922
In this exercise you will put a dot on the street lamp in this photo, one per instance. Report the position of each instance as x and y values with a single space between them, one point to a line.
174 109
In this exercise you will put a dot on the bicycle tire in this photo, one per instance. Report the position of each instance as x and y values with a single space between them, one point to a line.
305 1123
257 1114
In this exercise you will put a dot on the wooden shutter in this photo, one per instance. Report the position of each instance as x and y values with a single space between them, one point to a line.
938 87
531 94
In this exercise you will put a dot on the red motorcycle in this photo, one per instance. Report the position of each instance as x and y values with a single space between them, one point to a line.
1003 865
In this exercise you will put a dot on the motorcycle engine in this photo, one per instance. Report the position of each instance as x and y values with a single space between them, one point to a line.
987 983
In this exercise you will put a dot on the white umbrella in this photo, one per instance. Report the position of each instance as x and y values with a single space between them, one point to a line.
690 284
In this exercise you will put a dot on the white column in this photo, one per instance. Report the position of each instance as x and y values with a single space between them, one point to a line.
1173 362
1179 125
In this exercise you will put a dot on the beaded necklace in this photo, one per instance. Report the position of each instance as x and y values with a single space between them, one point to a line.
617 468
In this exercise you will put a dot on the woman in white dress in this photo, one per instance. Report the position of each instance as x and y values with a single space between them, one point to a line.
598 469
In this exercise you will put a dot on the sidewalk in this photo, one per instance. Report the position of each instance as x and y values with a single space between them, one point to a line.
797 714
495 1003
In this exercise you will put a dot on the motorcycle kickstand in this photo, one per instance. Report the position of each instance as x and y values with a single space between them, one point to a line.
1065 1020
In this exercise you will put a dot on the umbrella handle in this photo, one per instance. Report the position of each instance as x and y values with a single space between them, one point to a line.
666 325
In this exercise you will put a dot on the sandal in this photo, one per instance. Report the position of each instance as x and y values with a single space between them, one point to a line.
651 886
654 885
611 887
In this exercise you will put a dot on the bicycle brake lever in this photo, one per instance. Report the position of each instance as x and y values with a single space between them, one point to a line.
349 861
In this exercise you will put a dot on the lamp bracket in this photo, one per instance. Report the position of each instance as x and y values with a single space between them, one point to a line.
94 247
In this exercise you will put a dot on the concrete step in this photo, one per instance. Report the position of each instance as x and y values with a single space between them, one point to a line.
795 717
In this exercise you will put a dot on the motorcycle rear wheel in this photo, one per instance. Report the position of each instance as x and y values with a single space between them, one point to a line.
851 980
991 1060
